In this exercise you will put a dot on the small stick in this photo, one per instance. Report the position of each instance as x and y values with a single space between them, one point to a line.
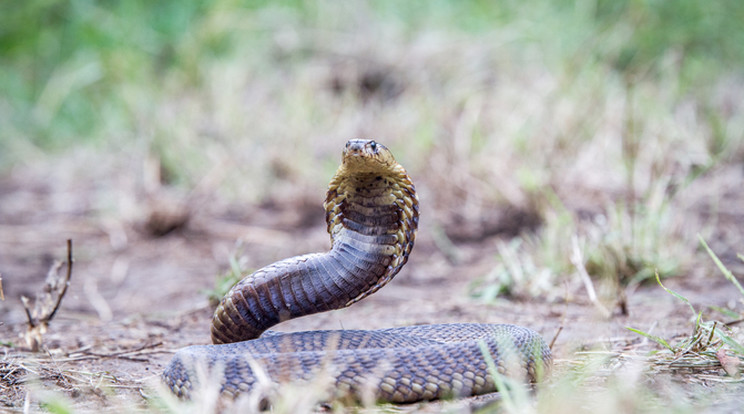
558 332
732 323
578 261
125 352
46 304
31 320
2 295
67 282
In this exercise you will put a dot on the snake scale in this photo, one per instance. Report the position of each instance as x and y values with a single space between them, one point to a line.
372 215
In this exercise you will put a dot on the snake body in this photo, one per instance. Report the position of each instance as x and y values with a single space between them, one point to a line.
372 215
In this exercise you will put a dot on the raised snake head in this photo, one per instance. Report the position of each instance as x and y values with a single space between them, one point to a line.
362 156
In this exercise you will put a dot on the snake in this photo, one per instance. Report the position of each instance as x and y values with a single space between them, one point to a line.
372 215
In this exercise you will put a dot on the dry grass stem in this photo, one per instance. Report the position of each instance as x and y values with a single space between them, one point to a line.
130 354
577 260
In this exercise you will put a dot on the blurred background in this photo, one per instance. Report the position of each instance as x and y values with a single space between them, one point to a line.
524 124
554 145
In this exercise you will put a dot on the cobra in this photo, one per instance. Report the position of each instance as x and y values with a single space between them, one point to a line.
372 215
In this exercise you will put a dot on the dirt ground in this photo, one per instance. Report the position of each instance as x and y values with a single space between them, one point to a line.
135 297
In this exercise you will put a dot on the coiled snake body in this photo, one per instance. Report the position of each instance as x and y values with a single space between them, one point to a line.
372 215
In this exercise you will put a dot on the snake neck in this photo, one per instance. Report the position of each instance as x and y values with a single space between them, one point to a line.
372 219
375 216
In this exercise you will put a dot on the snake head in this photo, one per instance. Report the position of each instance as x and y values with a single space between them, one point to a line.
368 156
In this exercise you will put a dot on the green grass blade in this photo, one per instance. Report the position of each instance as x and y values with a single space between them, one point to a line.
498 379
726 273
726 312
731 342
654 338
698 320
676 295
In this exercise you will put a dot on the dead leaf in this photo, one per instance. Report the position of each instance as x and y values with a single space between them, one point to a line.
729 363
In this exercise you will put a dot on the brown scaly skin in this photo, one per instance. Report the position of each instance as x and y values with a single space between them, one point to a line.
368 168
372 215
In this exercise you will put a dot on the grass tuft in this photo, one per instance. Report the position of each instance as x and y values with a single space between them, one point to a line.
710 346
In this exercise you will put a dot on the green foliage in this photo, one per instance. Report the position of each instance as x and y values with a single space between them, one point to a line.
697 32
57 404
66 64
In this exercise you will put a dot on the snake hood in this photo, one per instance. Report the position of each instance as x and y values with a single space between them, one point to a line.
371 196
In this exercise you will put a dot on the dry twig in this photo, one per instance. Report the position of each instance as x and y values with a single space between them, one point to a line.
558 332
47 301
129 354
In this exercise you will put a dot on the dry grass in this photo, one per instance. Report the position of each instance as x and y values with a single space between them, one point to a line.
524 128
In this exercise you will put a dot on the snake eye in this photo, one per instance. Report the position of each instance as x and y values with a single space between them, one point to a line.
373 145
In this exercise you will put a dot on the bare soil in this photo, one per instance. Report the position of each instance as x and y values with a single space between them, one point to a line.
136 297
